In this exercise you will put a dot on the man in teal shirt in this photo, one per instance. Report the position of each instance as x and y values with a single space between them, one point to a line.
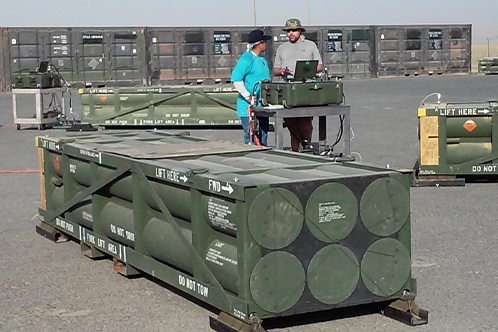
250 70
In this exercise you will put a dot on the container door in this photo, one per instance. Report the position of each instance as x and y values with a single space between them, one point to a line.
4 77
435 54
127 58
335 55
195 65
222 55
459 50
90 58
61 53
412 54
165 65
389 46
359 52
24 50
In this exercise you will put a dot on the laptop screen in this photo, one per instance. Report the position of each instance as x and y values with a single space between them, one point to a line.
43 67
305 69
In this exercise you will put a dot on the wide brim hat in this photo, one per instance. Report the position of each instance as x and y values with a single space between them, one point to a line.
293 24
257 36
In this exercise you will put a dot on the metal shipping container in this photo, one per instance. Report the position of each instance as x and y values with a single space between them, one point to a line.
458 139
418 50
112 56
161 106
255 232
83 56
195 55
389 43
346 51
4 52
192 55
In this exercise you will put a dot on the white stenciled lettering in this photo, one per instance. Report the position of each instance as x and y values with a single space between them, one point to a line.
214 186
193 286
130 236
72 168
458 111
484 169
219 215
91 154
216 257
239 314
168 174
329 211
101 243
202 290
90 238
50 145
87 216
64 224
112 248
172 176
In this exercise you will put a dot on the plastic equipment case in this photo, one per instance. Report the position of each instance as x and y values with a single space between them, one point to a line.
36 81
254 232
297 94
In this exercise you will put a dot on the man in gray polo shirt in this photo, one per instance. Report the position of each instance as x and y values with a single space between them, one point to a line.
297 48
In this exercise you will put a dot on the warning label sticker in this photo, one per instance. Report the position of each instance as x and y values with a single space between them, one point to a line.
470 125
329 211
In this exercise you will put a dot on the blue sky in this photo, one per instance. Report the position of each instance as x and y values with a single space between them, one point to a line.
60 13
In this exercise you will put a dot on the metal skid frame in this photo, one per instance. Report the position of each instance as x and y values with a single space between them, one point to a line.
39 118
324 114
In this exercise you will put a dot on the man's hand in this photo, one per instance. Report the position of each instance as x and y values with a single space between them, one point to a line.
285 71
281 71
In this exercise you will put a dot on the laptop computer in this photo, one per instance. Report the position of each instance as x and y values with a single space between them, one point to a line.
43 67
305 69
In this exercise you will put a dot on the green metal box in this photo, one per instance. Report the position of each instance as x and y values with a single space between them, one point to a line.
295 94
160 106
32 80
255 232
458 139
487 66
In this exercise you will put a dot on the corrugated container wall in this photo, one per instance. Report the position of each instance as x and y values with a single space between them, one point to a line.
83 56
349 51
165 56
423 50
195 55
110 56
4 79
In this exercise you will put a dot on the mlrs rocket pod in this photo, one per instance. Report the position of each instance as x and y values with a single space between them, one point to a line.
255 232
457 142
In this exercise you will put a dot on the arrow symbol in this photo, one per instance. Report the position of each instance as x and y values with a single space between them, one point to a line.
183 178
227 188
484 111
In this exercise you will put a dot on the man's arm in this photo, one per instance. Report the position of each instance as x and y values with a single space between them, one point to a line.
317 56
278 69
238 76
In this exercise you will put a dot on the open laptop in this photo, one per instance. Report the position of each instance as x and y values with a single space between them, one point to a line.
305 69
43 67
